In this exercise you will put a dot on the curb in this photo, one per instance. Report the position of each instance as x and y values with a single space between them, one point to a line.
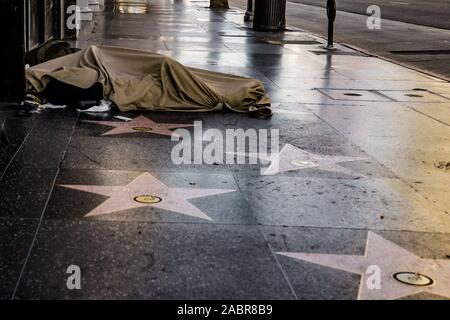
366 52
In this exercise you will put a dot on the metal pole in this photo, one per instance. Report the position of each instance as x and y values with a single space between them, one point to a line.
249 13
331 13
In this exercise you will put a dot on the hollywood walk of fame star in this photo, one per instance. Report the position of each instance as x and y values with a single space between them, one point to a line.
144 191
291 158
391 259
140 124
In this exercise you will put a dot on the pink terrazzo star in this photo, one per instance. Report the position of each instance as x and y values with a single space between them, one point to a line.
140 124
391 259
292 158
124 197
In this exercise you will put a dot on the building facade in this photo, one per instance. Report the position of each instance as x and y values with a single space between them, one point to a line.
26 26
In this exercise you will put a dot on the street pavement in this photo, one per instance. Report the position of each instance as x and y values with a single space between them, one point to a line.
353 205
412 44
431 13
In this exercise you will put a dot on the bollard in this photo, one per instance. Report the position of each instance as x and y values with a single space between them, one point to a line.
249 13
331 13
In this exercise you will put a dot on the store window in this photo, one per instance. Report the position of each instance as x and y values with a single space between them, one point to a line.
42 18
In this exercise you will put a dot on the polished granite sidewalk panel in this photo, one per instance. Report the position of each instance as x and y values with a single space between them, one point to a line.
384 138
377 204
16 236
47 143
13 131
25 191
153 261
380 134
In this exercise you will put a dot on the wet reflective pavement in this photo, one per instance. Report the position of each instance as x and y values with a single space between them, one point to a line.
362 179
132 7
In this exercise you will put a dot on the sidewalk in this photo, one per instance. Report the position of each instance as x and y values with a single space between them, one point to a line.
71 191
420 47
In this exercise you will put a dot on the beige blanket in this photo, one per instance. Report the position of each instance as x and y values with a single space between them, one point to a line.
139 80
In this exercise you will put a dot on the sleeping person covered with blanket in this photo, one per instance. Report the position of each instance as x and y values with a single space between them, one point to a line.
139 80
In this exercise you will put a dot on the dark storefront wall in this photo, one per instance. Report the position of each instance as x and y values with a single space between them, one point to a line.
33 19
44 20
26 25
12 21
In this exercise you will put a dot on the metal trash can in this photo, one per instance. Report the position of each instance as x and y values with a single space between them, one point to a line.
270 15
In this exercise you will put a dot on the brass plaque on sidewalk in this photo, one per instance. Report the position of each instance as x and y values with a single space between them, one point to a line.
147 199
